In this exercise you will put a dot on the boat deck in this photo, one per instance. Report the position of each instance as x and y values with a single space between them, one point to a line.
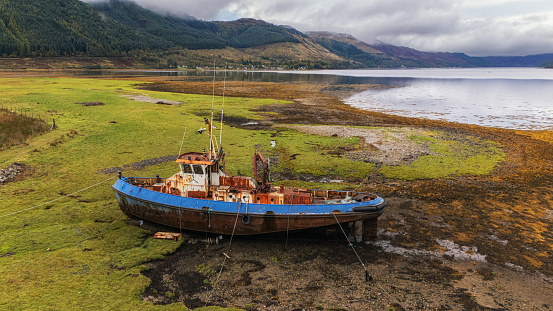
314 196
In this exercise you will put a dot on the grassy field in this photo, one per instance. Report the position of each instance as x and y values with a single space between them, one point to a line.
65 246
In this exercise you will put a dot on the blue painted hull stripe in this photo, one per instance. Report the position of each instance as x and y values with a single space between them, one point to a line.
170 200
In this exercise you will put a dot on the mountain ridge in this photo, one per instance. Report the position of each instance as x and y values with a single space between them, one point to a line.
124 29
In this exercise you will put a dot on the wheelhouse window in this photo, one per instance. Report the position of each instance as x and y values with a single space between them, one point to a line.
186 168
198 169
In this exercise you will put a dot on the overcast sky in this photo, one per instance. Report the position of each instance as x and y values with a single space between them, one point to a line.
475 27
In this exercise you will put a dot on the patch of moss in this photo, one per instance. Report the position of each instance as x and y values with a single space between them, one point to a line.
453 156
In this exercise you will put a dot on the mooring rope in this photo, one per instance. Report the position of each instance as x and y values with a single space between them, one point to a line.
180 219
224 257
368 276
288 224
182 142
63 197
351 244
90 236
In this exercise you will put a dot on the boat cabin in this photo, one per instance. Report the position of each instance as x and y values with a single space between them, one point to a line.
202 176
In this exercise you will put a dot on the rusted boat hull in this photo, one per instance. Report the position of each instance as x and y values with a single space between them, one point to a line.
218 217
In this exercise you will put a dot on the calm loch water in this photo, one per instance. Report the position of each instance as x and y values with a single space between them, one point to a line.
515 98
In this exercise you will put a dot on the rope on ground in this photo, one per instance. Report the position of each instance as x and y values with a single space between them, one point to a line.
367 275
90 236
224 258
66 195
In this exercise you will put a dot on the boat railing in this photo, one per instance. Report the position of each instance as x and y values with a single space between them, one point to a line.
145 181
333 194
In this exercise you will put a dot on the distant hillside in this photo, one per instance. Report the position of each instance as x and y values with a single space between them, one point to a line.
142 38
168 30
348 47
540 60
414 58
245 33
385 55
63 27
72 27
193 33
122 34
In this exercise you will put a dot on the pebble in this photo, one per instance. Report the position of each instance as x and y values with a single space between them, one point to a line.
9 173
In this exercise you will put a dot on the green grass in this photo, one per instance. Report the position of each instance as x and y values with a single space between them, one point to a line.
78 252
316 155
454 156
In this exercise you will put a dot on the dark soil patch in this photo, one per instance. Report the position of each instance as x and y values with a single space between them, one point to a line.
140 164
245 123
89 104
310 271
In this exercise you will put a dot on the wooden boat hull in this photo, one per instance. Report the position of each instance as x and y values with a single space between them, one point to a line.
233 217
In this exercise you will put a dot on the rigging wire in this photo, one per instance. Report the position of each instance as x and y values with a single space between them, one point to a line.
63 197
182 142
288 224
69 195
368 276
223 106
225 257
212 104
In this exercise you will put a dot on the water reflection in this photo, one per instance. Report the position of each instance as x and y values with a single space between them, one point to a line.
505 103
252 76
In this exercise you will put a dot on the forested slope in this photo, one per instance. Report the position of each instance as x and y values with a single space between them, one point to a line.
31 28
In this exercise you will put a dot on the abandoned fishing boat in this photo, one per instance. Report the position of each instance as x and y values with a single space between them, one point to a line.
202 197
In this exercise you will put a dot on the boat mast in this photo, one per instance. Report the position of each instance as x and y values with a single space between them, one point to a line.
212 154
211 151
223 107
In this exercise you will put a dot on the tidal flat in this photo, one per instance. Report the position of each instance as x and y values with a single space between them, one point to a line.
64 243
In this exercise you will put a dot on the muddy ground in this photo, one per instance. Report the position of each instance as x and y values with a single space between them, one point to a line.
462 243
319 270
